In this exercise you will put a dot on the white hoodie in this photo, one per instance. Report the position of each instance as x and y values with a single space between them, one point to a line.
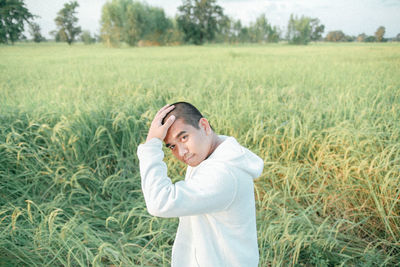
215 204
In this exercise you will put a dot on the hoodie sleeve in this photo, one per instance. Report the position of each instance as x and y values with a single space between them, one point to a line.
212 189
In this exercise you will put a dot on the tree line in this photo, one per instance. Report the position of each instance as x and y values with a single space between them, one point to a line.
197 22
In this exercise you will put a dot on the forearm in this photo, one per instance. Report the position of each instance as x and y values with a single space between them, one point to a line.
153 172
212 190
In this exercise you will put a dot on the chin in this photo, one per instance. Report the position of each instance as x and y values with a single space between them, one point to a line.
194 163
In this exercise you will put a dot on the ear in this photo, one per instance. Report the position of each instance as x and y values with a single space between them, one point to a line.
204 124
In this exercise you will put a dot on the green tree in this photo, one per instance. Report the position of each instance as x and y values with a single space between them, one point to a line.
199 20
361 37
380 32
66 21
134 25
155 24
13 15
34 30
225 30
317 29
56 35
370 39
335 36
244 35
87 38
303 30
111 23
263 31
349 38
130 21
237 28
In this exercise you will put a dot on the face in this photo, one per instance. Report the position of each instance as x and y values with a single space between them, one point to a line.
188 144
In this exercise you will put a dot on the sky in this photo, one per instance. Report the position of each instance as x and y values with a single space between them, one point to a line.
351 16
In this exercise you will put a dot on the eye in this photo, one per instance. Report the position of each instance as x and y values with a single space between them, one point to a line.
172 147
184 137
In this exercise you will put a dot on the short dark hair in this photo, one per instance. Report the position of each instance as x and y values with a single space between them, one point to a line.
186 111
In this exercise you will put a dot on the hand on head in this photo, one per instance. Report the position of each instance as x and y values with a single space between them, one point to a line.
157 129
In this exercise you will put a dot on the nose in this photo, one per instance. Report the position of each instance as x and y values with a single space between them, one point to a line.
182 151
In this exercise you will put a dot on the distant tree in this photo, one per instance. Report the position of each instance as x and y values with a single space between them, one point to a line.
370 39
97 38
233 31
303 30
316 29
335 36
66 22
173 36
339 36
262 31
274 35
380 32
134 26
130 21
13 14
112 23
244 35
56 36
34 30
225 31
87 38
397 37
237 28
199 19
349 38
361 37
156 25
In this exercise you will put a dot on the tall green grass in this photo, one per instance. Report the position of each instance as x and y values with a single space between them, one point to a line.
325 119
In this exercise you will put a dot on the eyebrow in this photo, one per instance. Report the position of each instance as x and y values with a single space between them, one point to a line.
176 137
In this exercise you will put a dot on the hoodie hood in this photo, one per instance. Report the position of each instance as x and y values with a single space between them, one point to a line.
238 156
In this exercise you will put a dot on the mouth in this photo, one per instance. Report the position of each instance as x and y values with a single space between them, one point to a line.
188 158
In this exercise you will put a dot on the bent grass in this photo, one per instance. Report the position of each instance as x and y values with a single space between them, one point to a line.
325 119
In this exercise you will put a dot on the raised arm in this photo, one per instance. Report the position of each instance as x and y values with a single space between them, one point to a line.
213 188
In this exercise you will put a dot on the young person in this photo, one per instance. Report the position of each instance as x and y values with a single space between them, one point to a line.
215 203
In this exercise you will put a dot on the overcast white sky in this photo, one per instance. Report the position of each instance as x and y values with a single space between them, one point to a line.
351 16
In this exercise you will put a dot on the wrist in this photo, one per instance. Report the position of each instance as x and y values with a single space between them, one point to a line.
149 138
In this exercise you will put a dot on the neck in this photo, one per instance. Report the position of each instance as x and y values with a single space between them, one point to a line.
215 142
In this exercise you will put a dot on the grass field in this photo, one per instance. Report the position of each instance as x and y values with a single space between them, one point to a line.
325 118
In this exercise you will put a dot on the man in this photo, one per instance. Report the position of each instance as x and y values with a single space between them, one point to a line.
215 203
